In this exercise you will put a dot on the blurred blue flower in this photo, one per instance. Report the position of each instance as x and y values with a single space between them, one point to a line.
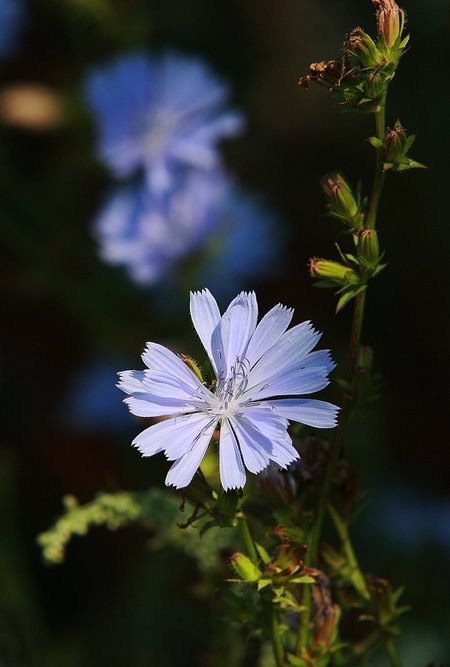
159 113
12 15
149 233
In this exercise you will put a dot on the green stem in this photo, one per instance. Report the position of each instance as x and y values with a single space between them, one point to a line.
273 626
336 443
274 633
246 537
380 128
391 651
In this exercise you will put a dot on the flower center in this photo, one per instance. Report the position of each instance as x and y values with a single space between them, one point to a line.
231 387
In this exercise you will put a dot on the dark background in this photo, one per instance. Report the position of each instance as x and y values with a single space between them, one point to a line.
63 311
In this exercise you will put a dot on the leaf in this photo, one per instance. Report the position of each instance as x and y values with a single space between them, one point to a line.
305 579
262 553
375 142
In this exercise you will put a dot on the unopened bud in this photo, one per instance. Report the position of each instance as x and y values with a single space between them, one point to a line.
390 20
244 567
341 201
395 143
362 46
332 271
375 85
368 248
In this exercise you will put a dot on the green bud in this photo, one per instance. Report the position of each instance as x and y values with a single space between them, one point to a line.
368 248
341 201
395 142
390 20
375 85
332 271
244 567
396 145
362 46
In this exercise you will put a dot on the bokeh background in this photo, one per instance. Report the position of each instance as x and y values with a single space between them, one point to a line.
70 320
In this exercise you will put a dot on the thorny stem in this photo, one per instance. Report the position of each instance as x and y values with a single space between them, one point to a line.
336 443
270 612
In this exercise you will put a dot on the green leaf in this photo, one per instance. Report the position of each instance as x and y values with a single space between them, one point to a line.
376 143
262 553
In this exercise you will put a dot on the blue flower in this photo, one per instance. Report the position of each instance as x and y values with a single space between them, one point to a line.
11 21
159 113
260 370
149 232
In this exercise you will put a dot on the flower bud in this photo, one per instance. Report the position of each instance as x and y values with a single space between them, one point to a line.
362 46
368 248
375 85
390 20
332 271
341 201
244 567
395 142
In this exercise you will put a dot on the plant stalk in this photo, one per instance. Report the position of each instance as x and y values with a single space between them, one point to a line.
352 354
272 623
391 651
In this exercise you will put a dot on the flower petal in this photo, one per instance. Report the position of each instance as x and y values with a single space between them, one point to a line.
173 436
307 411
273 426
237 326
232 471
159 358
267 333
183 470
205 316
131 381
285 355
147 405
255 449
298 382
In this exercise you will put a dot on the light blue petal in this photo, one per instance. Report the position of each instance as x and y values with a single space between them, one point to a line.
307 411
169 386
294 384
205 316
173 436
131 381
273 427
254 447
148 405
232 471
272 326
159 358
183 470
288 352
237 326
